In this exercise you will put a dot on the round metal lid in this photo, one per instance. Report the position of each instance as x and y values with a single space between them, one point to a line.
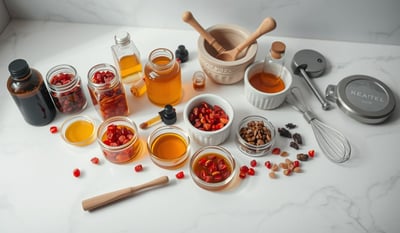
364 98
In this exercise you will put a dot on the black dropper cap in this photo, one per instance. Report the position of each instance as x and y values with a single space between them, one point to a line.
18 68
168 115
182 54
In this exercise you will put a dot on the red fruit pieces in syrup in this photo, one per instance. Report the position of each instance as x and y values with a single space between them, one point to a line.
53 129
276 151
180 175
138 168
103 77
95 160
311 153
61 79
76 172
117 135
207 117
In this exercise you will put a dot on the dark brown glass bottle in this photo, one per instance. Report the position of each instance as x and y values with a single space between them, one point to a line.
30 94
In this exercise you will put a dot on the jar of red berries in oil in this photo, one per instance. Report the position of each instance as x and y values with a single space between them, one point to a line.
107 92
64 85
119 139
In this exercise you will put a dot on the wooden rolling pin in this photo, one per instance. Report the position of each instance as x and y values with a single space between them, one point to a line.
108 198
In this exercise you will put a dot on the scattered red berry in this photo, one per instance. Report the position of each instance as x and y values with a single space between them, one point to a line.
53 129
242 174
296 163
311 153
253 163
76 172
138 168
244 168
268 164
251 171
95 160
276 151
180 175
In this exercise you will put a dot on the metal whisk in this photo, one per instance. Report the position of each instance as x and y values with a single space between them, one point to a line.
334 144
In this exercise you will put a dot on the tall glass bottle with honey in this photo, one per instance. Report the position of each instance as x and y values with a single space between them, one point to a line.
127 58
162 75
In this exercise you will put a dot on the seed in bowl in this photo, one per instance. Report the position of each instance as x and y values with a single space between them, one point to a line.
255 133
212 168
208 117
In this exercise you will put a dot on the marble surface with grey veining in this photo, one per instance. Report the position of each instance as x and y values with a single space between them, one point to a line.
39 193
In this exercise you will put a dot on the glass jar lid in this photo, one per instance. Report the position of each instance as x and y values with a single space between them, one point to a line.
364 98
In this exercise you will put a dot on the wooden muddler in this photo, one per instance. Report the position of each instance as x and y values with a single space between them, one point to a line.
108 198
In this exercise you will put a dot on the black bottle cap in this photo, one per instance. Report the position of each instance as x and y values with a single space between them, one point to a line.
168 115
18 68
182 54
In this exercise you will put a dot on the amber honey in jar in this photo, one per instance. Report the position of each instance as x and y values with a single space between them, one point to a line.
65 89
169 146
163 78
107 92
269 79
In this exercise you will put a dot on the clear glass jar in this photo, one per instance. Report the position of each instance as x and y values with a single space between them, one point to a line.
26 86
127 58
119 139
64 85
107 92
163 78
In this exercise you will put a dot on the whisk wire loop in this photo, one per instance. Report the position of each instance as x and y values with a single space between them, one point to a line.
334 144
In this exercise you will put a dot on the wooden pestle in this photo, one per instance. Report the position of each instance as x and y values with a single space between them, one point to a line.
108 198
189 18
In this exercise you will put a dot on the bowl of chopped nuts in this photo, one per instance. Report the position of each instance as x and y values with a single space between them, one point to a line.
255 135
208 119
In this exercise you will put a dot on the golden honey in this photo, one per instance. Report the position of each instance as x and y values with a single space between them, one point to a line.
163 78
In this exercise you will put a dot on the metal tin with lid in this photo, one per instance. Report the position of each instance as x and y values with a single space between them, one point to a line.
363 98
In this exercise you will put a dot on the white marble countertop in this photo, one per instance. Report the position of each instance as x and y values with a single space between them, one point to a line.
39 193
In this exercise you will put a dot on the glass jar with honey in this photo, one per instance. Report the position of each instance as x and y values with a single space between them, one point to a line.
107 92
162 74
127 58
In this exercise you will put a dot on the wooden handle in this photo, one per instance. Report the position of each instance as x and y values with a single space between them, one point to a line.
189 18
267 25
107 198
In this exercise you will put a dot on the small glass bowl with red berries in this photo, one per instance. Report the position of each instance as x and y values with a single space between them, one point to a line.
208 119
213 168
255 135
119 139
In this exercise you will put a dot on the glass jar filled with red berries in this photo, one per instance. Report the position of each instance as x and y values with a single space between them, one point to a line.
119 139
107 92
64 85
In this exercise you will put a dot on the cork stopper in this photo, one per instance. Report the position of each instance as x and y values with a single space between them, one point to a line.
277 49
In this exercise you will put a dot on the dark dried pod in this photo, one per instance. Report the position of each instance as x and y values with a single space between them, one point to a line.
290 126
294 145
297 138
284 133
302 157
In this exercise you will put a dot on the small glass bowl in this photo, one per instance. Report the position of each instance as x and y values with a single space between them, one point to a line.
79 130
123 153
204 159
249 148
169 146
